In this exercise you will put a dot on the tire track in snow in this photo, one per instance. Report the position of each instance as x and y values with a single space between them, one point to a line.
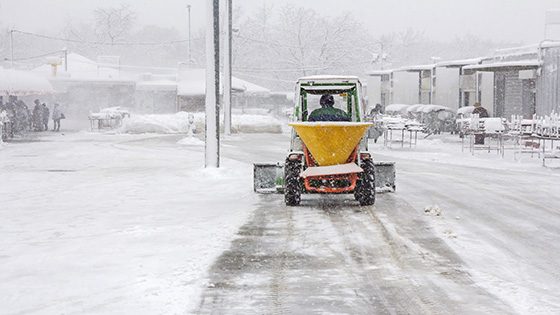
485 216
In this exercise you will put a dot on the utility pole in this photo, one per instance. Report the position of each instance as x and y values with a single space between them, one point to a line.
189 41
212 148
12 48
65 50
227 71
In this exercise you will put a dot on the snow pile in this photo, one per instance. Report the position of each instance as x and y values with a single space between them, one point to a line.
190 141
255 124
179 123
165 124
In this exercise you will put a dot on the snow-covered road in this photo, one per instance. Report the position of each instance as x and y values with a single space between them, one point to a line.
492 250
128 224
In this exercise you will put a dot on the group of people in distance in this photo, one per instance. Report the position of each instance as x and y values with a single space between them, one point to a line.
41 115
16 117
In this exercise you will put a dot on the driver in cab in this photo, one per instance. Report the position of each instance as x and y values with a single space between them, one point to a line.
328 112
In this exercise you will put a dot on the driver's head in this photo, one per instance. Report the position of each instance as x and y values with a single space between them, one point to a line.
327 100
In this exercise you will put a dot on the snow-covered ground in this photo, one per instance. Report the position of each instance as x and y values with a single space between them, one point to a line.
179 123
117 223
113 223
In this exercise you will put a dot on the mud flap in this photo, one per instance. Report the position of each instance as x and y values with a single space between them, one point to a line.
385 176
268 178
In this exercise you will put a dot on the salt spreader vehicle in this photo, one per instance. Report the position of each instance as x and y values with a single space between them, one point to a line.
328 149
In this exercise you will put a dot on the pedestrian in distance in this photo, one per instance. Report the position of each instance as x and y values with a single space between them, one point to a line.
56 116
46 115
482 113
37 116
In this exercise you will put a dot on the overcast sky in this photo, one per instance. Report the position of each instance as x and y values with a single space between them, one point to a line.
509 20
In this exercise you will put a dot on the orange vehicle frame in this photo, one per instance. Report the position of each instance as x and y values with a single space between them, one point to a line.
352 177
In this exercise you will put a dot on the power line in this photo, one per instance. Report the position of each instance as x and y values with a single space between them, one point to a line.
35 57
180 41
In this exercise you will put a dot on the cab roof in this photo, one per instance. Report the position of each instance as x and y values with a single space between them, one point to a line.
329 79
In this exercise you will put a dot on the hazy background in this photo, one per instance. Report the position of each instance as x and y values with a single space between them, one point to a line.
507 20
277 41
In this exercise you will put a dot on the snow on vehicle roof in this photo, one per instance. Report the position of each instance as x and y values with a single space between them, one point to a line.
14 82
414 108
334 78
396 107
465 110
432 107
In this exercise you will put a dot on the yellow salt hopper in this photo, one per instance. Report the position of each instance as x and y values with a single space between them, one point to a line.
331 143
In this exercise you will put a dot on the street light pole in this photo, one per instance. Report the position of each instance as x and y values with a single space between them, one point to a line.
12 48
212 149
189 41
65 59
227 71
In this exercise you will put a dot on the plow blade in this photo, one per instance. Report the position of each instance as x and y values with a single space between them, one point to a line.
268 178
385 176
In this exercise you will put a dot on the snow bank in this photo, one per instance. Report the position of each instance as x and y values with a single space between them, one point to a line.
255 124
166 124
179 123
191 141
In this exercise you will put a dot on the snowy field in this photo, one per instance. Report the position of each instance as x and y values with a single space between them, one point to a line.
118 223
113 224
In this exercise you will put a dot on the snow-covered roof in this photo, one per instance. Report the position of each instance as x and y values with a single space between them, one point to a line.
460 63
82 68
18 83
193 82
248 87
157 85
377 73
520 64
417 68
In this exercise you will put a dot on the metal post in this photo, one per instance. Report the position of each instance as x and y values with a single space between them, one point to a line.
227 71
460 87
189 41
420 87
212 148
12 48
477 88
66 59
391 78
432 76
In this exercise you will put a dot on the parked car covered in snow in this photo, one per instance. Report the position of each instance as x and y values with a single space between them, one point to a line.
108 118
438 119
396 109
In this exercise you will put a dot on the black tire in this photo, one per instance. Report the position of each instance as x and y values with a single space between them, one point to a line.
365 185
292 184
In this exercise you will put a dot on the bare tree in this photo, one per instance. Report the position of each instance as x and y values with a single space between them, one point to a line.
300 42
114 23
